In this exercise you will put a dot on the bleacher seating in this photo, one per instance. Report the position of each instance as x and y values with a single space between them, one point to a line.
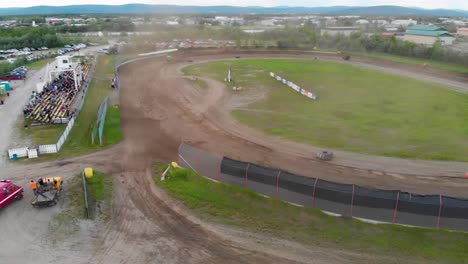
56 99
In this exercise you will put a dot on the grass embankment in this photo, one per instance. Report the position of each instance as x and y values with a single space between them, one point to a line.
357 109
38 64
232 205
100 195
42 135
79 141
100 190
445 66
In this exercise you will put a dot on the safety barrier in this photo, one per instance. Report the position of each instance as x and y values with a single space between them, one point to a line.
389 206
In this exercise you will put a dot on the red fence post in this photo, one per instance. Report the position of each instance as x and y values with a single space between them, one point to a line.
246 175
277 184
352 202
440 210
396 208
313 193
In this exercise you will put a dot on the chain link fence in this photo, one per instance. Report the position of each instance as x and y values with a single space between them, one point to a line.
389 206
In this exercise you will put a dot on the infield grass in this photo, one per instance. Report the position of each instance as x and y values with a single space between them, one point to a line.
240 207
357 109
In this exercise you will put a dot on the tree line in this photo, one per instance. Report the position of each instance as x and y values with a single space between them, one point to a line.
31 37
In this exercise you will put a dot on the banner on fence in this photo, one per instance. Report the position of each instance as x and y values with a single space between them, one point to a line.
294 86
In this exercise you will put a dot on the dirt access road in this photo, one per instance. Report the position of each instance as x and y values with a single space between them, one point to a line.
160 110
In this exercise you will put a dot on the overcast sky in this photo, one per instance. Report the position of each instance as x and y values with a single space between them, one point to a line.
448 4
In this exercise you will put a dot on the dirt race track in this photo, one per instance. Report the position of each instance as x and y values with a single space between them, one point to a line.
160 110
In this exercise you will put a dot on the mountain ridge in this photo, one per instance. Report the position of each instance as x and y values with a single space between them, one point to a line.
230 10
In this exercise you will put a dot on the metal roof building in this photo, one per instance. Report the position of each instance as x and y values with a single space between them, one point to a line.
428 35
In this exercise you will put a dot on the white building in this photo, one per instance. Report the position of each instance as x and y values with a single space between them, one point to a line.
268 22
172 23
404 22
380 22
362 22
339 30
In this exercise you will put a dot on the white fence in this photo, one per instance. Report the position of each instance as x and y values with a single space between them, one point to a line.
157 52
32 153
47 149
19 152
65 134
294 86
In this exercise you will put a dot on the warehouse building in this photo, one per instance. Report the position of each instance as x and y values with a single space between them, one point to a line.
428 35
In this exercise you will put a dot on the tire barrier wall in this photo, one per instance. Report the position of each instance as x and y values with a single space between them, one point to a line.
344 199
350 200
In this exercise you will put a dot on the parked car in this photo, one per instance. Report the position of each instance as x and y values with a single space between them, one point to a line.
44 48
21 74
18 72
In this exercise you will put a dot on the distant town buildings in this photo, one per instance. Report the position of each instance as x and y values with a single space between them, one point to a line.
362 22
224 20
8 23
463 32
339 30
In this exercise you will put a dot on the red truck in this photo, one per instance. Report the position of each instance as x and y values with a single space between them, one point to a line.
9 192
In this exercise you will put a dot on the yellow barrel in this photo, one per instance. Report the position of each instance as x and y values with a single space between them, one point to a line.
88 172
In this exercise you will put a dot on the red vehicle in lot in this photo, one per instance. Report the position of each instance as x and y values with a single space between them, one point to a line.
9 192
12 78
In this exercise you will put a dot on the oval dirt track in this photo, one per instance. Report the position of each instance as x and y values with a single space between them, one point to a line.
161 110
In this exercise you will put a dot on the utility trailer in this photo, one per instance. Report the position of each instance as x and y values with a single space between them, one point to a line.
48 196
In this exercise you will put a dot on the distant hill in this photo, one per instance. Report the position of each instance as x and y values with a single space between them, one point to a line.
400 10
228 10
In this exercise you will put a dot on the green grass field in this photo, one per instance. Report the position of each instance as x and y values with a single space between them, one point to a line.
42 135
38 64
357 109
232 205
445 66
